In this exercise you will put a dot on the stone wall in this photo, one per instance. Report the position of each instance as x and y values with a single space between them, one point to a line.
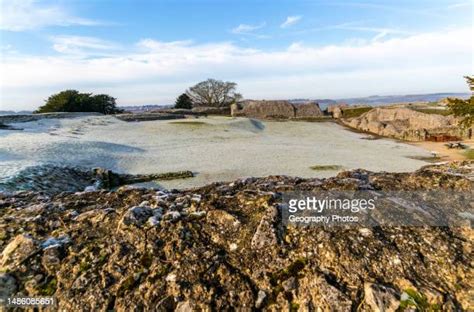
276 110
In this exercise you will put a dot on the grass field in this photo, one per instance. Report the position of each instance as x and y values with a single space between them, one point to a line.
469 153
443 112
354 112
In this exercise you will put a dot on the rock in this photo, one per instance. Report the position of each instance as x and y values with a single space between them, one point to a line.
51 259
381 298
408 124
336 113
222 218
336 109
365 232
290 284
153 221
136 216
144 203
90 188
106 178
92 216
276 110
307 110
260 299
265 236
17 251
196 198
8 285
184 306
171 278
266 109
197 214
238 255
56 242
172 215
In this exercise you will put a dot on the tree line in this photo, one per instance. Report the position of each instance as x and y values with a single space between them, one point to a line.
211 92
74 101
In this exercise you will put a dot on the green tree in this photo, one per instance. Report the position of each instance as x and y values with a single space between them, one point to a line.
74 101
214 93
464 108
184 101
104 104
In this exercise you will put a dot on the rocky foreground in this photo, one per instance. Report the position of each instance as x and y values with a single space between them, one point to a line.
223 247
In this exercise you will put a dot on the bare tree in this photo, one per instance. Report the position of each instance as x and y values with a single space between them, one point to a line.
214 93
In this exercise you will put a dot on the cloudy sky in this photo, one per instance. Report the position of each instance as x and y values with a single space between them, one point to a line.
148 52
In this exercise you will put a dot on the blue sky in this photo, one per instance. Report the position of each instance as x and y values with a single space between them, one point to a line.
145 52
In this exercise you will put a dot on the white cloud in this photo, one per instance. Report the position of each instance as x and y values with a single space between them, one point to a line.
81 45
349 26
245 29
379 32
156 71
20 15
460 5
6 48
154 45
290 21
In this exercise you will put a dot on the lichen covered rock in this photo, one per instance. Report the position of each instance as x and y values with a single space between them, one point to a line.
223 247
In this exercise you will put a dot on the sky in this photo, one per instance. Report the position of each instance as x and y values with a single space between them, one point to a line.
149 52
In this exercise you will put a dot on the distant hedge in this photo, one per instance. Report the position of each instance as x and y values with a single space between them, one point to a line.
74 101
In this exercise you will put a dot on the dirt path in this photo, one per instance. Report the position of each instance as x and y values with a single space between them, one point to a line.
443 151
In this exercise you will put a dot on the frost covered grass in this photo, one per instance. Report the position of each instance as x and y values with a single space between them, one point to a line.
215 148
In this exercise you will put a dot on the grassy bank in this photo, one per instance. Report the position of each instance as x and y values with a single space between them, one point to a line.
469 153
443 112
355 112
